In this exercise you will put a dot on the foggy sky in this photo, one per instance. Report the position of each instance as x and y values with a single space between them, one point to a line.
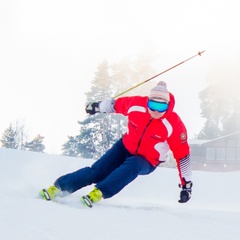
50 48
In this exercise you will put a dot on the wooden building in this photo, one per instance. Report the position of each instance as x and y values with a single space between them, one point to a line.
219 154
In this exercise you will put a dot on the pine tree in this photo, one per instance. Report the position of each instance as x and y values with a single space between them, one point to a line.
91 142
35 145
211 110
220 102
10 138
86 146
143 70
70 147
98 125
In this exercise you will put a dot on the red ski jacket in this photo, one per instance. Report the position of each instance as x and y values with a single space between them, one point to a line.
153 138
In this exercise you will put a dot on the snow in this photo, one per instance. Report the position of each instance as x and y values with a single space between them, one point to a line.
146 209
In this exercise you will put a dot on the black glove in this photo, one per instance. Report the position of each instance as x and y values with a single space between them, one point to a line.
186 192
92 108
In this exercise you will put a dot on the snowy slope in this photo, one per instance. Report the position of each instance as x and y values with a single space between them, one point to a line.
145 209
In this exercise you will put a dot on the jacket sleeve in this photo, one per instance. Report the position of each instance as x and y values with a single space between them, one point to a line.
185 170
124 105
120 105
178 143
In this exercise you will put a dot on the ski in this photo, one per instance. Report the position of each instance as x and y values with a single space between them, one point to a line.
45 195
86 201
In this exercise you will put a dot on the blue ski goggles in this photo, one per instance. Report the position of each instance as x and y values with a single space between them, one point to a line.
157 106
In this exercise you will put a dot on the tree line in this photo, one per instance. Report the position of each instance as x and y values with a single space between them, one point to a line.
14 137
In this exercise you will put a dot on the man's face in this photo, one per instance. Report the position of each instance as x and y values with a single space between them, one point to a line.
156 114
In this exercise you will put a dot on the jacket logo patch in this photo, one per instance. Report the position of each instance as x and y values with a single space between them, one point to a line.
183 136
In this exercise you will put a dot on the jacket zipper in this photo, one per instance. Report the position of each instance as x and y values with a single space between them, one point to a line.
140 140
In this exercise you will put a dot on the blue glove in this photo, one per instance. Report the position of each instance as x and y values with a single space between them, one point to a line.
92 108
186 192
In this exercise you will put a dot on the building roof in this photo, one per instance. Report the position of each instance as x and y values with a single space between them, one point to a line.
197 141
203 141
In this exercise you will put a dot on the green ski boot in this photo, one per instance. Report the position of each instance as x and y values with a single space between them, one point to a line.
94 196
49 193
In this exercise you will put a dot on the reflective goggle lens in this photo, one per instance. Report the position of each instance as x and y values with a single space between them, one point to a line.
157 106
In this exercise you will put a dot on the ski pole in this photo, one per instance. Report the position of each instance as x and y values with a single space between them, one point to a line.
139 84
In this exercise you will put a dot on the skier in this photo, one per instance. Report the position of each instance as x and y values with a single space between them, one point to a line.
153 129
